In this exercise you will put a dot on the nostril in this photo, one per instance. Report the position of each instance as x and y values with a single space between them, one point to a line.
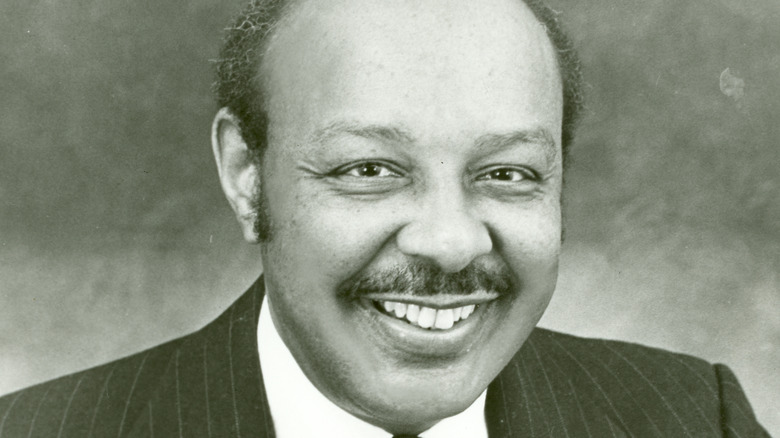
451 243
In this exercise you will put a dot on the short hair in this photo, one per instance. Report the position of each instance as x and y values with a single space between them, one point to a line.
244 44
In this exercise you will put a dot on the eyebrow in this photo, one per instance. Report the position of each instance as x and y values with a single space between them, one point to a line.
539 136
396 134
384 133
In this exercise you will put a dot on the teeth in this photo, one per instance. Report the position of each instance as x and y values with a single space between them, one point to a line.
444 319
427 317
456 312
412 313
400 310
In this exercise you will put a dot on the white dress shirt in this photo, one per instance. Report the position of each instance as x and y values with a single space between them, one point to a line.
299 410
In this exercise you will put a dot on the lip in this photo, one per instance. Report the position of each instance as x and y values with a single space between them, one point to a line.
418 343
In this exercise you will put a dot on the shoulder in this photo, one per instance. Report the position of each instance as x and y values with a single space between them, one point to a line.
630 361
108 400
621 386
98 399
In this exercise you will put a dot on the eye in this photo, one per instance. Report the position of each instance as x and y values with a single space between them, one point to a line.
507 174
369 170
368 178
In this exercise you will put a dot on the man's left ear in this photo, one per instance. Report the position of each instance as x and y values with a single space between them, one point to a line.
238 173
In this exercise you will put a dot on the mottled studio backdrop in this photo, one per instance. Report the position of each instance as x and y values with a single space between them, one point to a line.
114 235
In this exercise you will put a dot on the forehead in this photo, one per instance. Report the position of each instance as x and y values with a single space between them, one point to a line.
423 64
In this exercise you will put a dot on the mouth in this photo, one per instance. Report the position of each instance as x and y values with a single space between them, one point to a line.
428 318
431 313
440 326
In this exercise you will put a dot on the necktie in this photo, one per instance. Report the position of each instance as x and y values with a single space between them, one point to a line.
405 436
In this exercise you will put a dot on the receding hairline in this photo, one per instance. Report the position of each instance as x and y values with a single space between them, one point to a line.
241 87
292 9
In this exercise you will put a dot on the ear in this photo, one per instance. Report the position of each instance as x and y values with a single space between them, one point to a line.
238 173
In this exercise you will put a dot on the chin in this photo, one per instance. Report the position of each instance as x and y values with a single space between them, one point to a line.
410 403
419 416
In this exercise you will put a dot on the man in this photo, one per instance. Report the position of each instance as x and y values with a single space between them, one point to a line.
401 166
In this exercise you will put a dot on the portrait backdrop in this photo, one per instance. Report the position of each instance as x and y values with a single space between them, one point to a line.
115 236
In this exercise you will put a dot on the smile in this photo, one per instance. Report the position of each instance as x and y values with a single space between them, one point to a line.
440 326
426 317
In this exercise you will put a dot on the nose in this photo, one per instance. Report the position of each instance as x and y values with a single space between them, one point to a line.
444 233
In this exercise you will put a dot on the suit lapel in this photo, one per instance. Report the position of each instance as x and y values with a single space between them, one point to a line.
536 396
213 385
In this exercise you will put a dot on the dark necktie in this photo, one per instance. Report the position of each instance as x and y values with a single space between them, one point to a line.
405 436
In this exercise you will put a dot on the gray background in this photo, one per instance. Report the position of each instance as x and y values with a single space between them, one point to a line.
114 235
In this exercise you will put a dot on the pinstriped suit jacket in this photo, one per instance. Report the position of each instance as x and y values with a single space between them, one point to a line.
209 384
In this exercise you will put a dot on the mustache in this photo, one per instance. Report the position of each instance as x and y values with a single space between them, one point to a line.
423 279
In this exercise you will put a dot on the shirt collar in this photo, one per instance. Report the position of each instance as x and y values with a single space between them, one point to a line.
300 410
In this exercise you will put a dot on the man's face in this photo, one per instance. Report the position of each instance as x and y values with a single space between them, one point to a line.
414 158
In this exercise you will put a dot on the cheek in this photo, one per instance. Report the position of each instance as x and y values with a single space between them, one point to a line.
320 240
534 229
529 240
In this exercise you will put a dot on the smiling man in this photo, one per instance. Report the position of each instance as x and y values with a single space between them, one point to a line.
401 166
412 173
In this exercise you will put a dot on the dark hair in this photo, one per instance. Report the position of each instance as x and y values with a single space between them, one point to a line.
244 43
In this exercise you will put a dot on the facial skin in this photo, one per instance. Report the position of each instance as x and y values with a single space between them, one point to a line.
405 136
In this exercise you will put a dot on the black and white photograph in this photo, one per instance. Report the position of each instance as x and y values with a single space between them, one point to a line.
389 219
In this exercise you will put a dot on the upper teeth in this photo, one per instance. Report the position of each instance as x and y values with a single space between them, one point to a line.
427 317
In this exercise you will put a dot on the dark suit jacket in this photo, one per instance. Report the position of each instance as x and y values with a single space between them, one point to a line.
209 384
